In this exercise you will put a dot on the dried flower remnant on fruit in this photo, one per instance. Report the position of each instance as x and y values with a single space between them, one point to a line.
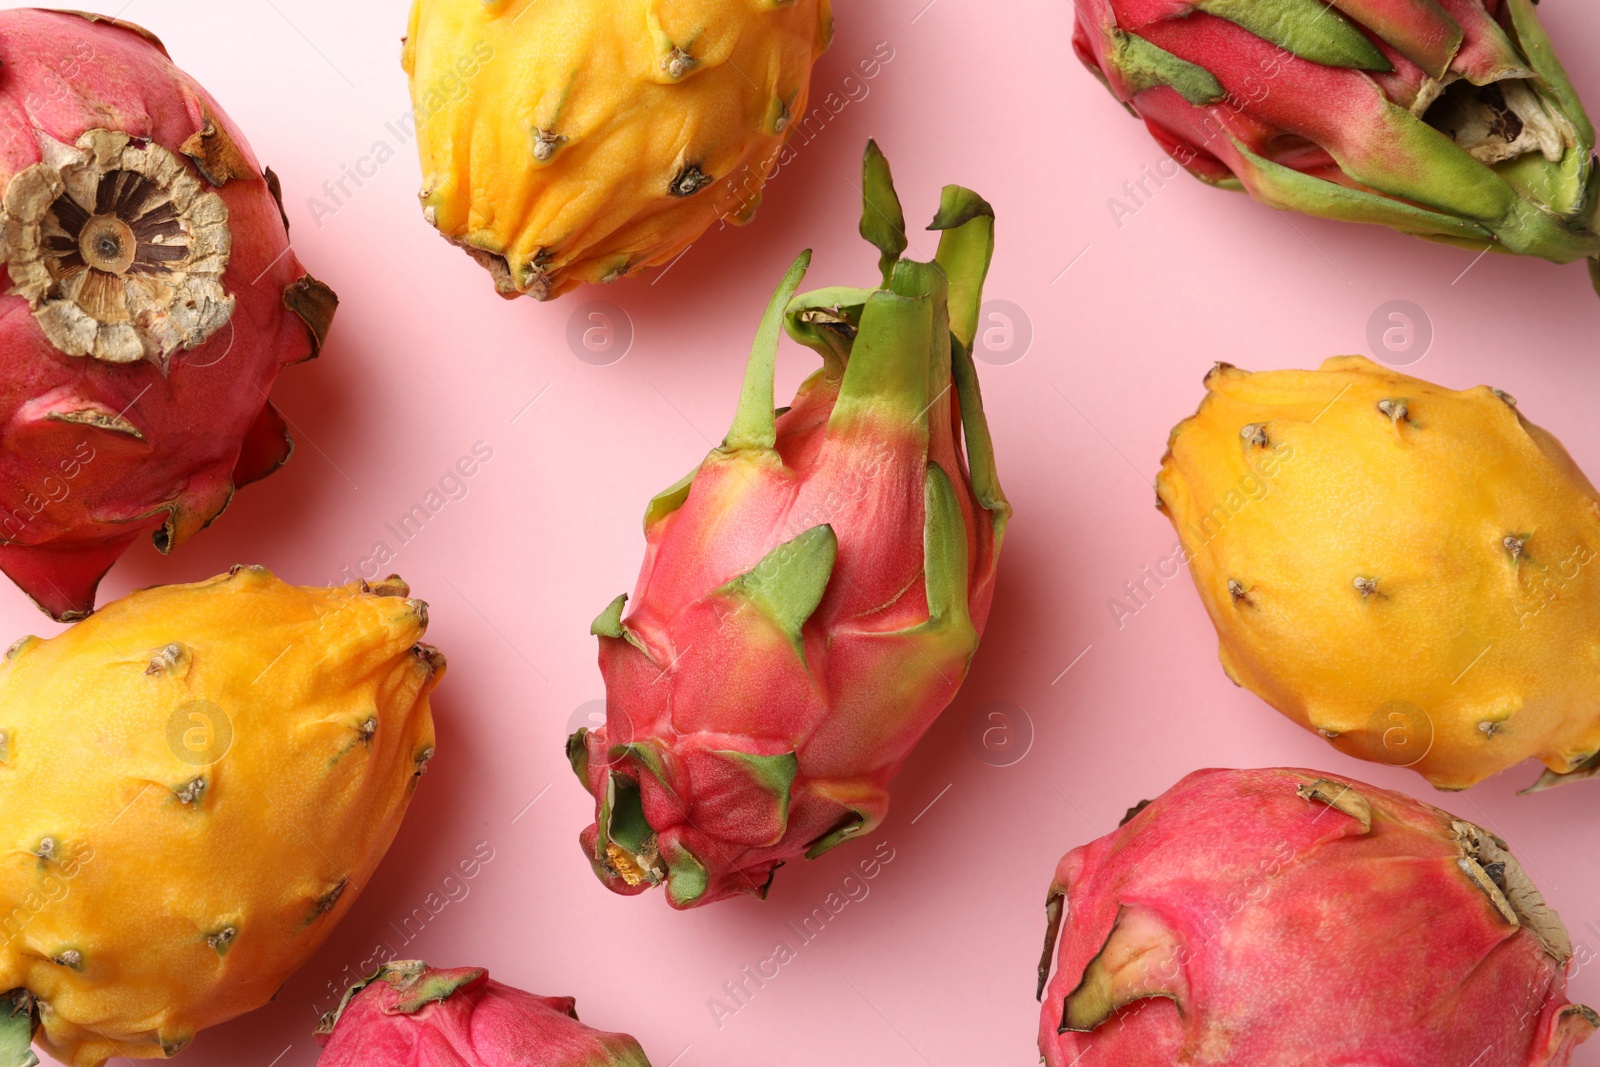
677 63
220 941
1367 587
1514 544
545 144
1395 410
690 180
1340 796
118 248
165 659
630 867
1255 434
329 900
1501 121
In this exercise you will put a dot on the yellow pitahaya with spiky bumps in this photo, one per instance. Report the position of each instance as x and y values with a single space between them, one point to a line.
196 783
571 141
1411 571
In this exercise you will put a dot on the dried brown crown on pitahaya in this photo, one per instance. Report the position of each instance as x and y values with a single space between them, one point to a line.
1287 918
420 1016
153 299
812 595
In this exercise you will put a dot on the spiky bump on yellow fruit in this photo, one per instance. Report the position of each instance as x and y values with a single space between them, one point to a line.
197 781
571 141
1411 571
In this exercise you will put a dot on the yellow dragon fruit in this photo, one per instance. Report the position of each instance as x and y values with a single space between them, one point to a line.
197 782
571 141
1406 569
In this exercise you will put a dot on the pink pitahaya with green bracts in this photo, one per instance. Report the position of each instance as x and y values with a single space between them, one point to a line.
407 1014
812 594
1451 119
1288 918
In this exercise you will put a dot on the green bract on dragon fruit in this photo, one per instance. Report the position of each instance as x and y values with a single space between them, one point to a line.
152 301
812 594
1450 119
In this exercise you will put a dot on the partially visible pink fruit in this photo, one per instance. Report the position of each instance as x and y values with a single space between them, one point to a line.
1450 119
408 1014
812 595
153 300
1285 918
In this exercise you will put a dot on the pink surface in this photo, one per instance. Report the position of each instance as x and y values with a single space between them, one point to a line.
933 964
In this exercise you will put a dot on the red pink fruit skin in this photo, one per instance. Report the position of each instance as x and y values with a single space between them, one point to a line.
73 497
1267 115
1286 935
750 746
411 1015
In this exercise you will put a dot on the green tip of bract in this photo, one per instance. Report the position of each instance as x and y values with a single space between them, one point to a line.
883 222
789 582
755 420
578 754
959 206
609 622
19 1018
687 878
849 828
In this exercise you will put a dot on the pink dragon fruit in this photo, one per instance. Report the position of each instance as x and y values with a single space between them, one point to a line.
153 300
407 1013
1450 119
1287 918
812 594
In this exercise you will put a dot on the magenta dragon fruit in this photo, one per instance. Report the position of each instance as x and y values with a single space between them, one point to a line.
153 299
1285 918
1450 119
811 596
408 1014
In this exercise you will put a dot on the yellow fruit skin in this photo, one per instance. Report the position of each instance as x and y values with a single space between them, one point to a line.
488 75
1469 654
325 695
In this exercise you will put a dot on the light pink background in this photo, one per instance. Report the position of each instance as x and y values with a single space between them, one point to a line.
935 966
